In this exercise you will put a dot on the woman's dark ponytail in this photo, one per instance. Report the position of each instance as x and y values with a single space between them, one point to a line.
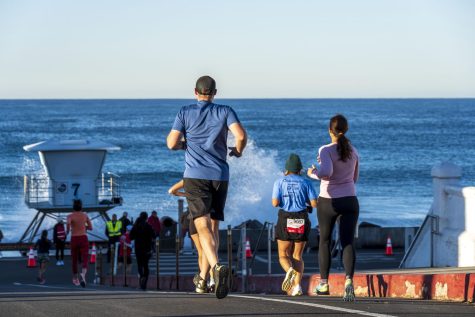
338 127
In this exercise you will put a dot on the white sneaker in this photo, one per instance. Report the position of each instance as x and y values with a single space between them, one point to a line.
58 263
289 279
62 263
297 291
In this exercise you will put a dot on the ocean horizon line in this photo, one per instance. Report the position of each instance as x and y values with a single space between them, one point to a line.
247 98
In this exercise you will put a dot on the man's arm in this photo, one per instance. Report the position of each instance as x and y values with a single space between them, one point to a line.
240 136
68 225
175 140
88 224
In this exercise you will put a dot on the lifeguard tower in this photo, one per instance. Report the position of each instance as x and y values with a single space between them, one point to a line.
72 169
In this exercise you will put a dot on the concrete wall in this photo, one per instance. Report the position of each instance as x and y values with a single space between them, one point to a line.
452 242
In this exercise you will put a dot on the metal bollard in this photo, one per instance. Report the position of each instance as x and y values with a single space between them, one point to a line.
157 257
116 249
177 262
124 252
98 267
269 246
243 260
112 253
230 255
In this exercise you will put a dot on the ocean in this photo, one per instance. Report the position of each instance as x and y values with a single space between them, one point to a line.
399 140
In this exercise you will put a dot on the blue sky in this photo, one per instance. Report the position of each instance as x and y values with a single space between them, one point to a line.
254 48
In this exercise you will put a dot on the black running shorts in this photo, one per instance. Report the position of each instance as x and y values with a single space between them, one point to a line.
206 197
292 226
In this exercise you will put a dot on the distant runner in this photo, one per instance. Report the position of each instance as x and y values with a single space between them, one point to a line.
338 173
295 196
78 222
201 129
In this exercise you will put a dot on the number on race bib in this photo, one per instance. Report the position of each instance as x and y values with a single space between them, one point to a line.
296 226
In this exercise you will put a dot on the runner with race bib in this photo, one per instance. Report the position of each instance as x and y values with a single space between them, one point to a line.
295 196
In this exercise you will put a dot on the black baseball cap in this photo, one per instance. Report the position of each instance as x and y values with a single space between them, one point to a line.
205 85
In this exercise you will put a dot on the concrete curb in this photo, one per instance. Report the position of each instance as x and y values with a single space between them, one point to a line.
458 287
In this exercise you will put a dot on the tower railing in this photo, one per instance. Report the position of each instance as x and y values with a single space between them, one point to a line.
38 190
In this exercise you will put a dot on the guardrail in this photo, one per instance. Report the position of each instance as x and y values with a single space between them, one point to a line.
38 189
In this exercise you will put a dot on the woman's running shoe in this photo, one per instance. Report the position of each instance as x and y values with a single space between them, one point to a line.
76 281
349 294
82 279
201 286
196 279
221 279
322 289
289 280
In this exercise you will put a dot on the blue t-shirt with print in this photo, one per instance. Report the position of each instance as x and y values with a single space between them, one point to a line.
205 128
293 192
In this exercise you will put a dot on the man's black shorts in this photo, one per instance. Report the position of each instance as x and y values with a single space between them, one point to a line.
206 197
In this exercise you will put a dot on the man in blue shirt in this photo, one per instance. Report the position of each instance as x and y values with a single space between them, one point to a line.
201 130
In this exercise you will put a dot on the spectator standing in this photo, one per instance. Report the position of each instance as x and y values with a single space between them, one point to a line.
113 232
125 222
1 238
142 234
125 239
59 239
154 222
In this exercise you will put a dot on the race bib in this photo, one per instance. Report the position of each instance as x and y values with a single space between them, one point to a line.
296 226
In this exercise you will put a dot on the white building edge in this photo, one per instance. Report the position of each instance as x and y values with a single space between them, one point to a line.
447 236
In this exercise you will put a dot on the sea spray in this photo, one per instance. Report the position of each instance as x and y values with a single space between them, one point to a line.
250 188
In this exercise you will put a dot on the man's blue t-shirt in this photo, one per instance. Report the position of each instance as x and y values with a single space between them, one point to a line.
205 128
293 192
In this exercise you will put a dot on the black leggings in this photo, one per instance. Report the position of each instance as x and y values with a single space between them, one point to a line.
328 210
60 250
142 263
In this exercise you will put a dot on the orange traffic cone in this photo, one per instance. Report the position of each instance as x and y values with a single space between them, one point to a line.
248 249
92 260
31 258
389 247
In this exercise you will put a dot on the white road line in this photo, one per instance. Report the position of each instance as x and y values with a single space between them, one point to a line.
340 309
47 286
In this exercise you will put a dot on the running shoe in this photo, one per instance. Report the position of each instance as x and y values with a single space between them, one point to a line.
289 280
212 286
221 279
322 289
297 291
58 263
201 286
76 281
143 283
196 278
82 279
349 294
42 281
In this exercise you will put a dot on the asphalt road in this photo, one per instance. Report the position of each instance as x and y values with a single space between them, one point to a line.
66 301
